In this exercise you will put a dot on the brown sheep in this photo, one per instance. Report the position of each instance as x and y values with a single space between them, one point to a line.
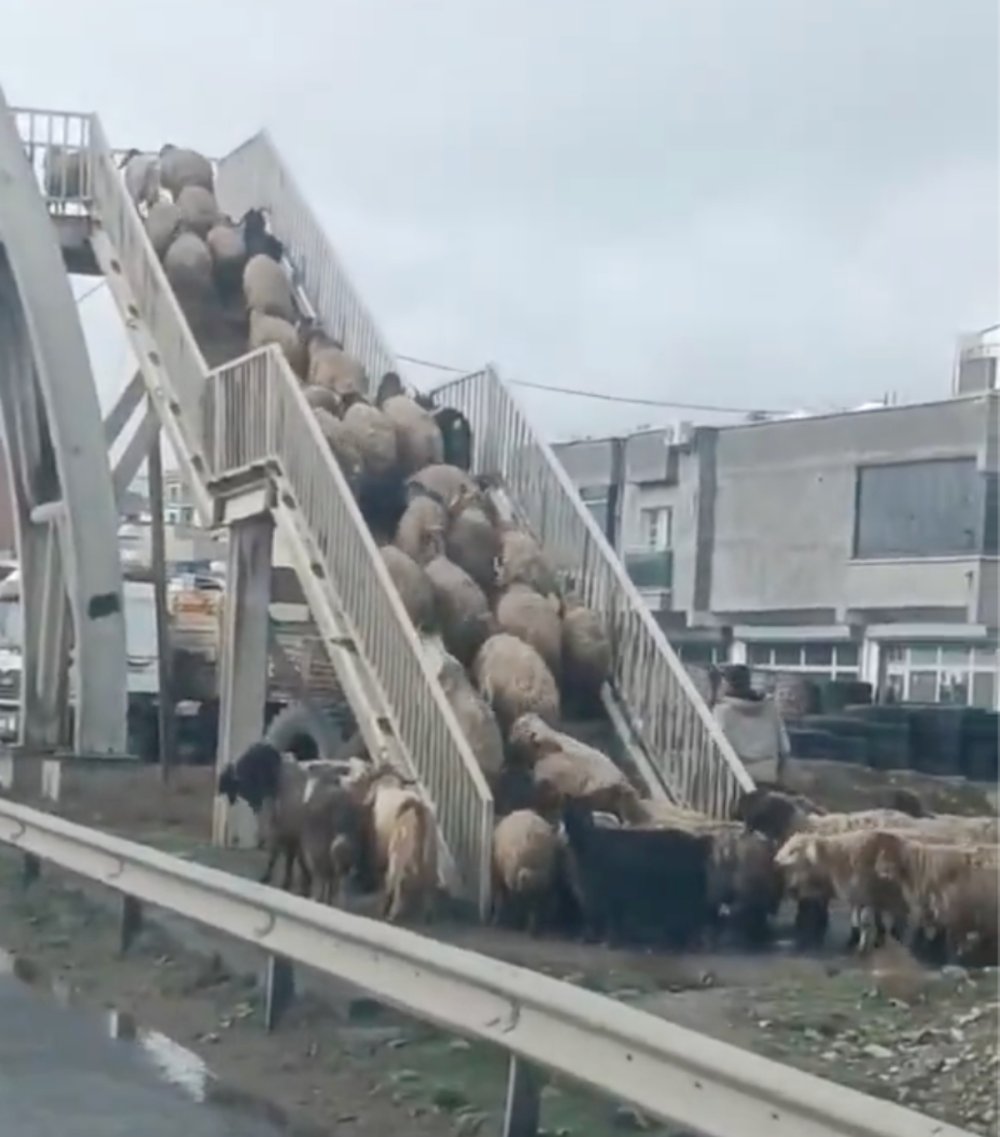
525 613
417 436
199 211
266 329
463 612
413 585
405 849
331 834
323 397
523 562
514 679
846 860
374 437
572 769
330 366
472 542
180 168
163 223
446 483
526 857
344 445
421 530
586 654
478 723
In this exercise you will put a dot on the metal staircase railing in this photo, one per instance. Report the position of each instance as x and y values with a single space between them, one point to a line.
249 417
661 707
655 693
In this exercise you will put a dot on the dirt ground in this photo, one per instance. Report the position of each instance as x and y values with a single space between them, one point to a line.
341 1062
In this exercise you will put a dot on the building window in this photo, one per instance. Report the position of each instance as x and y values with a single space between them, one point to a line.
920 509
960 674
829 660
173 492
702 654
595 498
656 528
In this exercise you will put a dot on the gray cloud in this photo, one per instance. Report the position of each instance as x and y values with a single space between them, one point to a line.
793 205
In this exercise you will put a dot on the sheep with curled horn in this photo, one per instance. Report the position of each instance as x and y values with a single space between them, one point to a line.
418 439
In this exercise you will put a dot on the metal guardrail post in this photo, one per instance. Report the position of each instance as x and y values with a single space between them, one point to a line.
523 1106
279 990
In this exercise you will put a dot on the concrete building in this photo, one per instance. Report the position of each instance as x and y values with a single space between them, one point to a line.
859 544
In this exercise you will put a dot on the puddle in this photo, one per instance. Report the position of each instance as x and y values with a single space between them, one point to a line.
173 1063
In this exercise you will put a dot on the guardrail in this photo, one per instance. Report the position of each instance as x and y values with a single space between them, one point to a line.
665 710
667 1071
251 414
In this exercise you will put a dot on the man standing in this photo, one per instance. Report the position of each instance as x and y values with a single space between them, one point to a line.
753 726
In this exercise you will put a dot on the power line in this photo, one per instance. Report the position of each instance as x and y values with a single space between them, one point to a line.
579 393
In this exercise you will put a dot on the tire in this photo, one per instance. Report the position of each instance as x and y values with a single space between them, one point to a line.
305 731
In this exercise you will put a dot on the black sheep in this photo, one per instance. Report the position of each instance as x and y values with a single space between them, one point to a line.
256 237
456 434
646 886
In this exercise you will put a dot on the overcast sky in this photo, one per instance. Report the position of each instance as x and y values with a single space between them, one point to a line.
780 205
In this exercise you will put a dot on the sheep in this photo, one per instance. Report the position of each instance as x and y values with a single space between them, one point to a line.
188 265
229 256
472 542
463 612
418 438
846 861
456 437
524 613
181 168
253 226
342 443
951 889
273 786
778 816
266 329
141 174
266 288
445 483
478 723
572 769
325 398
413 585
525 862
331 366
586 655
421 530
523 562
163 223
65 173
405 841
332 834
514 679
375 438
199 210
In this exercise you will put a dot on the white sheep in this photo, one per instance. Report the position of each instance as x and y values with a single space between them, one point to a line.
180 168
534 618
199 210
463 612
265 329
267 289
526 858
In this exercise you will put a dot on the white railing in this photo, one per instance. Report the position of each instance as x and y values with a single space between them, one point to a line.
251 413
260 416
253 176
669 1072
666 712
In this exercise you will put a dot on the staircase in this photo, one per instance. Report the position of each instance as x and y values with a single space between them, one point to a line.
243 431
664 728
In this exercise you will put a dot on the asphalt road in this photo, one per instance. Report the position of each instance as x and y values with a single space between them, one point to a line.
62 1075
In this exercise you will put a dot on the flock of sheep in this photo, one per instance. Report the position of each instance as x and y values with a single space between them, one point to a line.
576 846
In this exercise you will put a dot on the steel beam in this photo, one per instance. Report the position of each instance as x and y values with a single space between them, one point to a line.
48 358
243 680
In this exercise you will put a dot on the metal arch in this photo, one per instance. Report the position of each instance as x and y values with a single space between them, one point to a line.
59 454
